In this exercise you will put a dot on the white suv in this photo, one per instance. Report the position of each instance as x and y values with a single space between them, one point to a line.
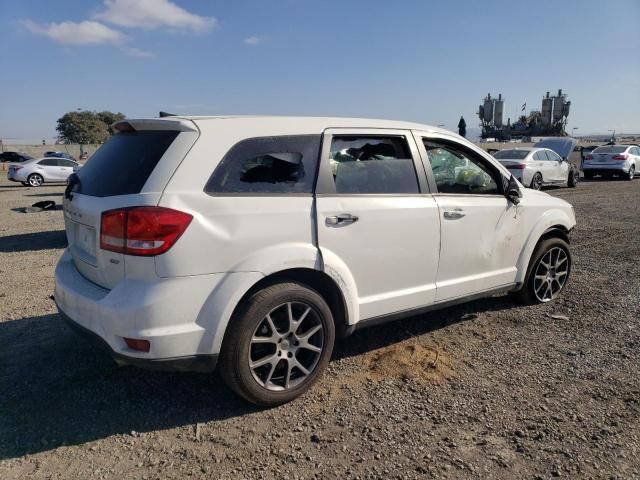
251 242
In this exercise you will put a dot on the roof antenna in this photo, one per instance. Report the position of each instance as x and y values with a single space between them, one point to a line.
166 114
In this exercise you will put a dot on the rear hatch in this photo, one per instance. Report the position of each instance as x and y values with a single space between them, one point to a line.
607 155
130 169
513 159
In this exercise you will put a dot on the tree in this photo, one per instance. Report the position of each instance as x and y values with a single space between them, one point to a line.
86 127
462 127
110 118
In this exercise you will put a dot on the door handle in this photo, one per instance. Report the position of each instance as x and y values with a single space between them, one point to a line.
454 214
341 219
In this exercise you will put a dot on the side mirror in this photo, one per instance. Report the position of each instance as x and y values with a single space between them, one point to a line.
513 191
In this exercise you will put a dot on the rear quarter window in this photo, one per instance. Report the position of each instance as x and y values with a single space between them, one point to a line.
268 165
124 163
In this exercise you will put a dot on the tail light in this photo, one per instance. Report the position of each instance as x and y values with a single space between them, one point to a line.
142 231
15 168
589 157
622 157
520 166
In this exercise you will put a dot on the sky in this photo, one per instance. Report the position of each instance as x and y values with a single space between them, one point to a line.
423 61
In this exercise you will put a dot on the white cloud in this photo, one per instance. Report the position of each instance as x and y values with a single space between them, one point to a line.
136 52
253 40
151 14
72 33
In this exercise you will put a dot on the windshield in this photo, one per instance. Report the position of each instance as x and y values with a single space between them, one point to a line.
511 154
610 149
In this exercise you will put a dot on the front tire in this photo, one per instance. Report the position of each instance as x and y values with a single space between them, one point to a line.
548 272
573 180
277 344
536 181
35 180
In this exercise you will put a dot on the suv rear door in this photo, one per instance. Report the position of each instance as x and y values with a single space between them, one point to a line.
376 216
130 169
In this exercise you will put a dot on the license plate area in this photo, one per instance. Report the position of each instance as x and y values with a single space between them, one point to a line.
84 242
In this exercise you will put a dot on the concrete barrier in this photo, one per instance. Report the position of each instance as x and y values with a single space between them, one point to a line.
37 151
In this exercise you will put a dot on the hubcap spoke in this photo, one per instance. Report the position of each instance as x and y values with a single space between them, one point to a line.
265 361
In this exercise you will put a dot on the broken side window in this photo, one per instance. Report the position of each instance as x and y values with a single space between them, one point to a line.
372 164
279 165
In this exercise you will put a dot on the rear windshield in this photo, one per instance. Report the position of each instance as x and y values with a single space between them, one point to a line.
511 154
123 164
610 149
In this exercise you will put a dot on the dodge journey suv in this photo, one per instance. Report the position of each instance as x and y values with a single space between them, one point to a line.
248 244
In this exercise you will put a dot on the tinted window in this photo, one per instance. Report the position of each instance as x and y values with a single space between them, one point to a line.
48 162
539 155
457 171
610 149
372 165
123 164
511 154
282 164
66 163
553 156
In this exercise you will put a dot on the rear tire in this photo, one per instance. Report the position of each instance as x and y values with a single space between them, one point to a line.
573 180
631 173
35 180
277 344
544 283
536 181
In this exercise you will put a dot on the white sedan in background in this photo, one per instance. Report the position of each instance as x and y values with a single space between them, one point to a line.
537 166
42 170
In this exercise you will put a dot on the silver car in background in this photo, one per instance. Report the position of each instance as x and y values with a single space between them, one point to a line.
42 170
538 167
609 160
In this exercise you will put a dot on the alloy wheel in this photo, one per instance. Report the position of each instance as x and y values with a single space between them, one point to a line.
536 182
286 346
35 180
551 274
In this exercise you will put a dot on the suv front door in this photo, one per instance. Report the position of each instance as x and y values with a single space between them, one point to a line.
376 220
480 229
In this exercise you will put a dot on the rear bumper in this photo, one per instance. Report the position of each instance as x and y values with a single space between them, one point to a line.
600 169
169 313
193 363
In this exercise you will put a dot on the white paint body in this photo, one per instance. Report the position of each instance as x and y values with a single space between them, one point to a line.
403 252
57 173
546 162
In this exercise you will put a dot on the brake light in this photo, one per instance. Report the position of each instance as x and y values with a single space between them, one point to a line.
589 157
622 157
142 231
520 166
15 168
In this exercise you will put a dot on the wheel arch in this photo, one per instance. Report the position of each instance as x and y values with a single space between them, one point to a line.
314 279
548 227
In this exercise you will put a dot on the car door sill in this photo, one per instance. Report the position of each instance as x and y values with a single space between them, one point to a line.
390 317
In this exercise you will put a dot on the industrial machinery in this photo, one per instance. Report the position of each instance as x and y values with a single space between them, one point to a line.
550 121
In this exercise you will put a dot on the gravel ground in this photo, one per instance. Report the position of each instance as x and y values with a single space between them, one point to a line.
485 390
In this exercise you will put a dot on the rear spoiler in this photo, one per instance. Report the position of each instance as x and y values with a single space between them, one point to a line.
167 123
